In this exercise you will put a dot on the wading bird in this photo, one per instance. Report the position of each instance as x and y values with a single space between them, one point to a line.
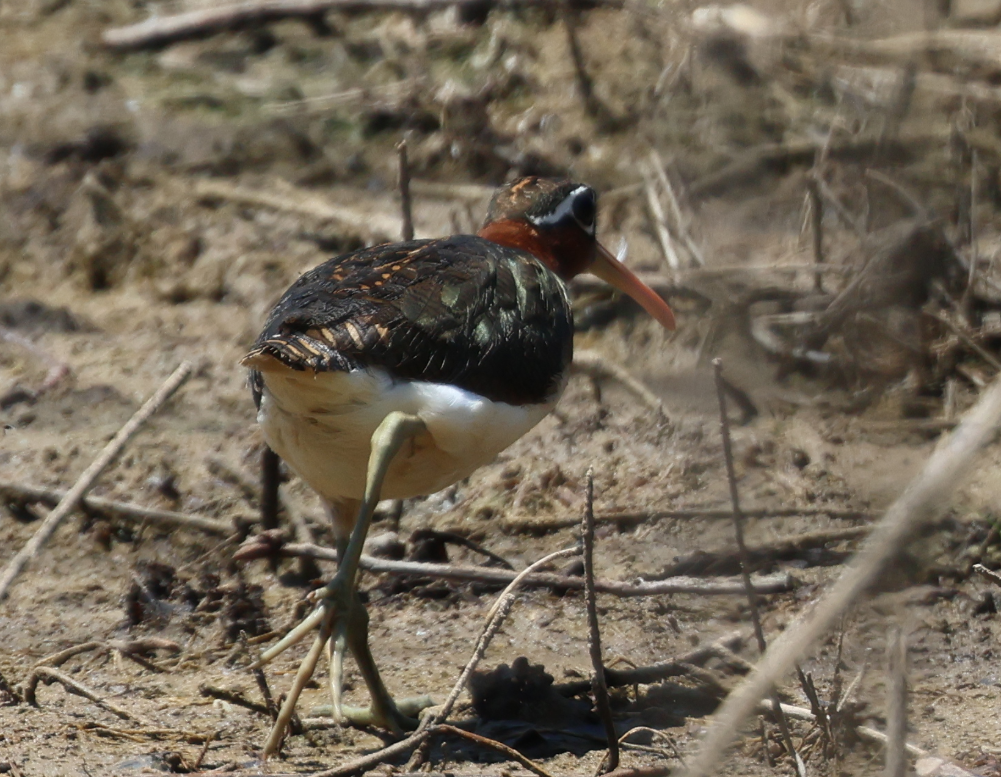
397 370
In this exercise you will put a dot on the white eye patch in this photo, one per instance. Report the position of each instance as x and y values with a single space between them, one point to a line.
564 211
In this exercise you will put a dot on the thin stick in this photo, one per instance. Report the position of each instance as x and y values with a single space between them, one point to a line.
236 698
86 480
495 618
270 489
865 732
48 674
817 222
709 513
972 344
159 31
738 520
283 196
965 303
841 211
598 686
745 558
406 205
197 765
493 744
763 584
921 501
366 762
680 222
896 705
597 366
990 574
655 673
593 106
660 224
270 484
18 492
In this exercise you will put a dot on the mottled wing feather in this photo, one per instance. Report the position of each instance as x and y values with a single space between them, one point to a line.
459 310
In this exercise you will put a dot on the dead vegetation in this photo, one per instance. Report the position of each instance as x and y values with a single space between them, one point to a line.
815 188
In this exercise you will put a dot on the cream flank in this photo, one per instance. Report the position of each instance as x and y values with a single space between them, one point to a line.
322 425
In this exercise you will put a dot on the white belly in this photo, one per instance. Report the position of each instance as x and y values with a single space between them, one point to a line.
321 424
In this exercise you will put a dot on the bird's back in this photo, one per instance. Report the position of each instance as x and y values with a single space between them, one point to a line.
461 311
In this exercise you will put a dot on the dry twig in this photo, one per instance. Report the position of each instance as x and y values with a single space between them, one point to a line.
597 366
922 499
896 705
745 558
629 517
406 204
817 224
989 574
659 220
680 223
270 486
655 673
269 490
493 744
763 584
18 492
47 674
86 480
598 685
364 223
159 31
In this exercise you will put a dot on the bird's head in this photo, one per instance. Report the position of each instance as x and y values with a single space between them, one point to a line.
556 221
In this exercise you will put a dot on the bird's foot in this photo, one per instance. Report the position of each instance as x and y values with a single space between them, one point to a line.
405 716
342 623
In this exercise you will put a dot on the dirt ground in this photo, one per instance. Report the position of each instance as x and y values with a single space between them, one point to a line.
155 204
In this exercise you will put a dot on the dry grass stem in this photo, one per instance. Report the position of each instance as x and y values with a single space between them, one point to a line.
745 558
597 366
270 487
270 491
159 31
283 196
406 202
989 574
86 480
647 675
817 225
896 705
630 517
919 503
499 747
494 620
19 492
659 222
598 686
965 338
762 584
681 224
864 732
48 674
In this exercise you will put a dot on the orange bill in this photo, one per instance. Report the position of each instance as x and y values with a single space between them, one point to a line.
616 274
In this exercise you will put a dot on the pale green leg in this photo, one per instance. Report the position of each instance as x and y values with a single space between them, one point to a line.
340 611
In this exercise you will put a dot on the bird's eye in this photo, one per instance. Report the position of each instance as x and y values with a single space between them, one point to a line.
584 208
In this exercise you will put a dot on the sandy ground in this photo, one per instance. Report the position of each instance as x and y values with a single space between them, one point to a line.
115 264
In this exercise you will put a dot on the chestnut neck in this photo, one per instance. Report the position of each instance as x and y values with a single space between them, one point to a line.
565 257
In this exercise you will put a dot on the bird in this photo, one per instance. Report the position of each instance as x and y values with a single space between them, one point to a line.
397 370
